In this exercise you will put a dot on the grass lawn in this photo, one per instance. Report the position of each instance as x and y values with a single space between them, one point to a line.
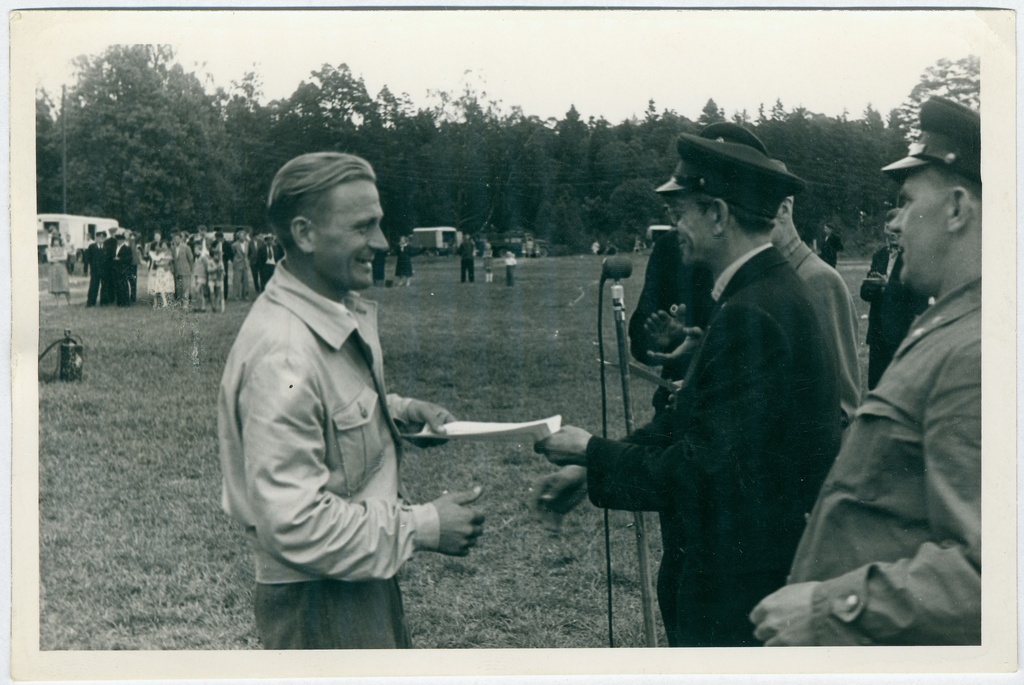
135 552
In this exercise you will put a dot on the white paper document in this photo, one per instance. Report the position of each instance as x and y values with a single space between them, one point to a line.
481 430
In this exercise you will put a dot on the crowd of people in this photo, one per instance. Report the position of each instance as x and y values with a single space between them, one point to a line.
198 270
794 510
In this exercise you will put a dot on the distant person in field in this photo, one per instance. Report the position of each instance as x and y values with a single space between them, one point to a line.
200 276
57 256
123 263
403 267
241 276
831 245
380 262
893 305
161 278
95 266
216 281
133 269
488 262
269 253
510 268
467 260
108 295
181 265
229 256
310 440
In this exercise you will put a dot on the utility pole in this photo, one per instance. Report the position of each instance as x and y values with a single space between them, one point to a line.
64 148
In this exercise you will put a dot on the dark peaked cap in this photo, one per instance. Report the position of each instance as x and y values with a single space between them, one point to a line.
729 162
950 137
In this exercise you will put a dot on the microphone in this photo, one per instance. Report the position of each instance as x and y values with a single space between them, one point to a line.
616 268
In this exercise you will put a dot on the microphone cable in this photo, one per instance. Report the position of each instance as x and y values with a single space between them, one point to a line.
604 434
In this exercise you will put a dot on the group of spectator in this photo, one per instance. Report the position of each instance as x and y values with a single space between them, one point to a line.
193 269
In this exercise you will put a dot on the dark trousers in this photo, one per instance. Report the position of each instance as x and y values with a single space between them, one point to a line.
710 611
257 277
227 278
879 357
331 614
266 273
122 288
133 282
95 277
468 268
108 293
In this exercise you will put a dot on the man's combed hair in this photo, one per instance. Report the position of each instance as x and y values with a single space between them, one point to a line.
300 184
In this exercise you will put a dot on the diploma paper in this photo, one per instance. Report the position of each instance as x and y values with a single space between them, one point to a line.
480 430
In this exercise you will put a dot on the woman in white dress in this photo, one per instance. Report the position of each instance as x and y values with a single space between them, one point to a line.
161 280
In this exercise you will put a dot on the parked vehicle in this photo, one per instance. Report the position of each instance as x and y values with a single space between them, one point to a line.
436 240
77 231
656 231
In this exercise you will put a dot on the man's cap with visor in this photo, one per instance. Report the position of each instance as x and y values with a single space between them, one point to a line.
950 138
729 162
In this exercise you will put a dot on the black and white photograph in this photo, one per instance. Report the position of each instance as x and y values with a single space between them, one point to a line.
494 335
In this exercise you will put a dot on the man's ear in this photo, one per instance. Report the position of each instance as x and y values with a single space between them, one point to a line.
719 214
303 233
960 210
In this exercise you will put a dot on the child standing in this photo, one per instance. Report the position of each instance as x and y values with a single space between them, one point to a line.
510 268
488 259
215 274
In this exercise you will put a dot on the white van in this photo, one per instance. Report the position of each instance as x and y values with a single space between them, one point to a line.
77 231
436 240
656 231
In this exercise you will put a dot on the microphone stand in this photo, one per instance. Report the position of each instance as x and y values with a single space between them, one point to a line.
646 586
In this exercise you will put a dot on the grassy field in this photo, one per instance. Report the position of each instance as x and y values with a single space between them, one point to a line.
137 554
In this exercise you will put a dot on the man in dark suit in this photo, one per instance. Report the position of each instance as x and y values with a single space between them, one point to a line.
737 462
108 295
831 246
122 266
95 266
893 305
272 254
229 256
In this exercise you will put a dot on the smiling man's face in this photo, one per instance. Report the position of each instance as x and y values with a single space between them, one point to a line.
347 232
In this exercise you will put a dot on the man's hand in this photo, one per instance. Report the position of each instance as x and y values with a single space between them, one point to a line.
665 331
460 525
420 414
691 341
566 447
784 617
556 494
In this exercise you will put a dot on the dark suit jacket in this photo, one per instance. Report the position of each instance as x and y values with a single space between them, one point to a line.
734 467
95 259
893 307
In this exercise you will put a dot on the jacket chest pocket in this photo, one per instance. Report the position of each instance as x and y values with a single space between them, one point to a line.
888 466
355 444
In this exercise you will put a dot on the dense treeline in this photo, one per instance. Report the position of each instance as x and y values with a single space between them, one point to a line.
149 146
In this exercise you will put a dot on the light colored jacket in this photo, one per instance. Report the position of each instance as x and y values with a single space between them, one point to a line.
310 455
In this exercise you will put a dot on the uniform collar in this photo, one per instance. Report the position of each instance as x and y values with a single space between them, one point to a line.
332 321
952 306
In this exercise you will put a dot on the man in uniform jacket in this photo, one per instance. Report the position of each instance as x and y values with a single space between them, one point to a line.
892 551
95 266
893 305
181 264
736 464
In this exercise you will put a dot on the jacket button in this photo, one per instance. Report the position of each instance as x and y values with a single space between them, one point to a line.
363 412
851 601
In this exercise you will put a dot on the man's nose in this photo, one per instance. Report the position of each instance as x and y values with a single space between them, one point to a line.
377 240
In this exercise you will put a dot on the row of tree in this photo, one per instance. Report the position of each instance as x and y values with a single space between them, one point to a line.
148 145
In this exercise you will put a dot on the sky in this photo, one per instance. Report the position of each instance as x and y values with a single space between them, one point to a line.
605 63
